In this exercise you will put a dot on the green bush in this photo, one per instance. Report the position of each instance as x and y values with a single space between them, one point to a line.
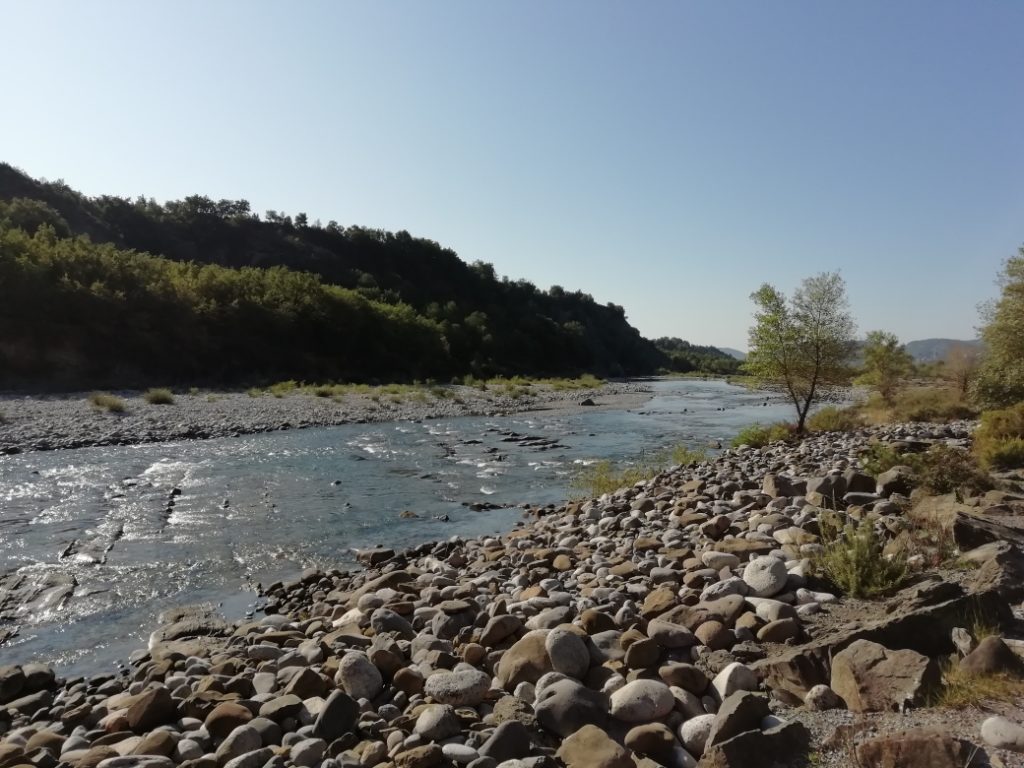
853 560
108 402
943 469
832 419
1007 455
759 435
159 397
879 458
999 441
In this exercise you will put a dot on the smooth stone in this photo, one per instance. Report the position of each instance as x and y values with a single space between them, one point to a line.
465 688
567 652
766 576
693 733
358 677
641 701
1001 733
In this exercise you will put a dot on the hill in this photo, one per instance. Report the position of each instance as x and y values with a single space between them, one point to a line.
684 357
108 291
735 353
933 350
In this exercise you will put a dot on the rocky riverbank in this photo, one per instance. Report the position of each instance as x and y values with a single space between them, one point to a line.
676 621
38 423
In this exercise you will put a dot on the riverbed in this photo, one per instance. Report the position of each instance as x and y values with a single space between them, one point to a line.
95 542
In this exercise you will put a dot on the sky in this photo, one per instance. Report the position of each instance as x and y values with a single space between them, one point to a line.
669 157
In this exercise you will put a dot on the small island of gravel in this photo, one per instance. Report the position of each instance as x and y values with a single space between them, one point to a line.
77 420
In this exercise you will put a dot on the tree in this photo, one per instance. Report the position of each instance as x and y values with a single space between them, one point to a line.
1000 379
961 366
805 343
886 361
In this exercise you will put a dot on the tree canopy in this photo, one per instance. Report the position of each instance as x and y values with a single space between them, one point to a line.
804 343
1000 379
886 363
117 291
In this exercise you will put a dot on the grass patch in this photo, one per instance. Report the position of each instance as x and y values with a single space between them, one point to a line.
832 419
604 477
854 560
282 388
961 690
108 402
759 435
159 397
683 456
926 403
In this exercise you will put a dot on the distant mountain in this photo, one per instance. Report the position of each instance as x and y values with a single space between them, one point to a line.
733 353
933 350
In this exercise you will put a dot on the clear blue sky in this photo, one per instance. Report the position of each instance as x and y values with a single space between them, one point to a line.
666 156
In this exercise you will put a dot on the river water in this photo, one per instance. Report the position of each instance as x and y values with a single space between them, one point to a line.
95 542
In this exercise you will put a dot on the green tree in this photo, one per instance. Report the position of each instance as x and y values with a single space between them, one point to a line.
804 343
886 363
1000 380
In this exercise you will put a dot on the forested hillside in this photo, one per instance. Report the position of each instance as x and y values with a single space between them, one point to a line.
204 291
686 357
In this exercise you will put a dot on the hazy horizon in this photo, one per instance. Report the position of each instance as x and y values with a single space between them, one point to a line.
668 159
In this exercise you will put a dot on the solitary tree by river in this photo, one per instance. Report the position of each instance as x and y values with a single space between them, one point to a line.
804 343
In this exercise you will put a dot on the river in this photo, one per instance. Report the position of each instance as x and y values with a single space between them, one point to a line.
95 542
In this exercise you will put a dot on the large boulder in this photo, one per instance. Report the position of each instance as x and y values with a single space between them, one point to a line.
526 661
591 747
779 747
919 748
992 657
565 706
871 678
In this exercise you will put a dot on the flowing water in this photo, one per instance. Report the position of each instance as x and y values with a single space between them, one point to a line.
95 542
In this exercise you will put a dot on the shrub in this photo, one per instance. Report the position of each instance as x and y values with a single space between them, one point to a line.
999 441
879 458
108 402
759 435
853 560
323 391
159 397
1008 454
832 419
943 469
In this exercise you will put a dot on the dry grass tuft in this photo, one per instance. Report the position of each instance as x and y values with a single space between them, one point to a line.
961 690
108 402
